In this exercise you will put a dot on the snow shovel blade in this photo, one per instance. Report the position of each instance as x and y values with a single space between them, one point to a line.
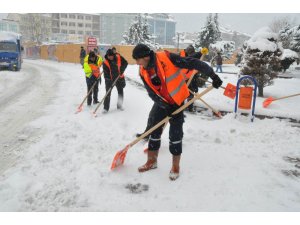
230 90
79 109
119 158
94 114
267 102
218 114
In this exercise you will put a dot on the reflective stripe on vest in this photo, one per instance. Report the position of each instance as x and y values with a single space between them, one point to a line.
173 78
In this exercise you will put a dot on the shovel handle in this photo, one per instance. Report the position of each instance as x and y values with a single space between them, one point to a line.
166 119
289 96
209 82
109 90
90 91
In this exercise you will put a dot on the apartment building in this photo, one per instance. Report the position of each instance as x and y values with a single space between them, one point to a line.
75 25
9 25
113 25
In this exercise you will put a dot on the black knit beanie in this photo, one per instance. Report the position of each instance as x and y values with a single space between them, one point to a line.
140 51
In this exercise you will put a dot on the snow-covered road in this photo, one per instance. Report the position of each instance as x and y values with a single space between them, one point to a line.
23 97
227 164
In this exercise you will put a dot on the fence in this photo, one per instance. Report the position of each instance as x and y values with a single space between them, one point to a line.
70 52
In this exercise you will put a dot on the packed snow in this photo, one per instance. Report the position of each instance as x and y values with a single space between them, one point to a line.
228 164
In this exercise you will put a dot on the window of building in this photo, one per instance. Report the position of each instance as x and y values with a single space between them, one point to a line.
55 24
64 15
64 23
80 17
88 17
64 31
3 27
88 25
55 15
80 24
13 27
72 24
71 31
80 32
72 16
88 32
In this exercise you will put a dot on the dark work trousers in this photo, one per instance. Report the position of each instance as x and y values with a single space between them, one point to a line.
193 87
90 81
108 84
150 119
175 132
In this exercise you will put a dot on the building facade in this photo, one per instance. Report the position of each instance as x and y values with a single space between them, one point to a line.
108 28
9 25
74 26
114 25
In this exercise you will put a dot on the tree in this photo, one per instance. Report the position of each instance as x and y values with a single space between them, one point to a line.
36 26
285 36
261 58
209 34
280 23
295 43
139 33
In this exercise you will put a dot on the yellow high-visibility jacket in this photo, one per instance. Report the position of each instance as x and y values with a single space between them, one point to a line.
92 69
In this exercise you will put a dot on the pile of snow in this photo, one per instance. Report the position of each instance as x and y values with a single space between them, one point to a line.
9 36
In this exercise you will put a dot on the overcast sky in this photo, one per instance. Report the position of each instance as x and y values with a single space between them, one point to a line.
243 22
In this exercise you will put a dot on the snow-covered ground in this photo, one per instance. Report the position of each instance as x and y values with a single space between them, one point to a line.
227 164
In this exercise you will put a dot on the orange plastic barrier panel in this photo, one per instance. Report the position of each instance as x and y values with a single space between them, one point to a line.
245 98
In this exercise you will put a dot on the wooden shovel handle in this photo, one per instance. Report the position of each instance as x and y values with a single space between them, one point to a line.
289 96
90 90
166 119
209 82
109 90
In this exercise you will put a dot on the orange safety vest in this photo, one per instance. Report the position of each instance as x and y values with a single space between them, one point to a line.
95 69
118 64
172 80
182 53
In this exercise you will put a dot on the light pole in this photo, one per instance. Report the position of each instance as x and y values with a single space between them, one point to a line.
177 38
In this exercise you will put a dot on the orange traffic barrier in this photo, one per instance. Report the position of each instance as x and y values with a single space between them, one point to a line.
245 98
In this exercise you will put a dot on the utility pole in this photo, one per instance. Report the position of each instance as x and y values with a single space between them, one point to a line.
177 38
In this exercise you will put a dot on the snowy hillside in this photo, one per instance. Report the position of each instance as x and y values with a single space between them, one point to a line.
227 164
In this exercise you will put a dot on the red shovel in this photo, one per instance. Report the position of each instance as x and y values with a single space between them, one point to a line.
229 90
120 156
269 100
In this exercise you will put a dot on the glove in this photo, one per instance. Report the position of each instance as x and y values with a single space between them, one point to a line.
204 51
217 82
171 108
121 82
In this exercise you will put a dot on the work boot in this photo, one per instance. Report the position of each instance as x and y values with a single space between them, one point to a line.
174 173
96 101
151 162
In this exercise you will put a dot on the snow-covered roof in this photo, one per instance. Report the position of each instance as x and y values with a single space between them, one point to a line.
9 36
